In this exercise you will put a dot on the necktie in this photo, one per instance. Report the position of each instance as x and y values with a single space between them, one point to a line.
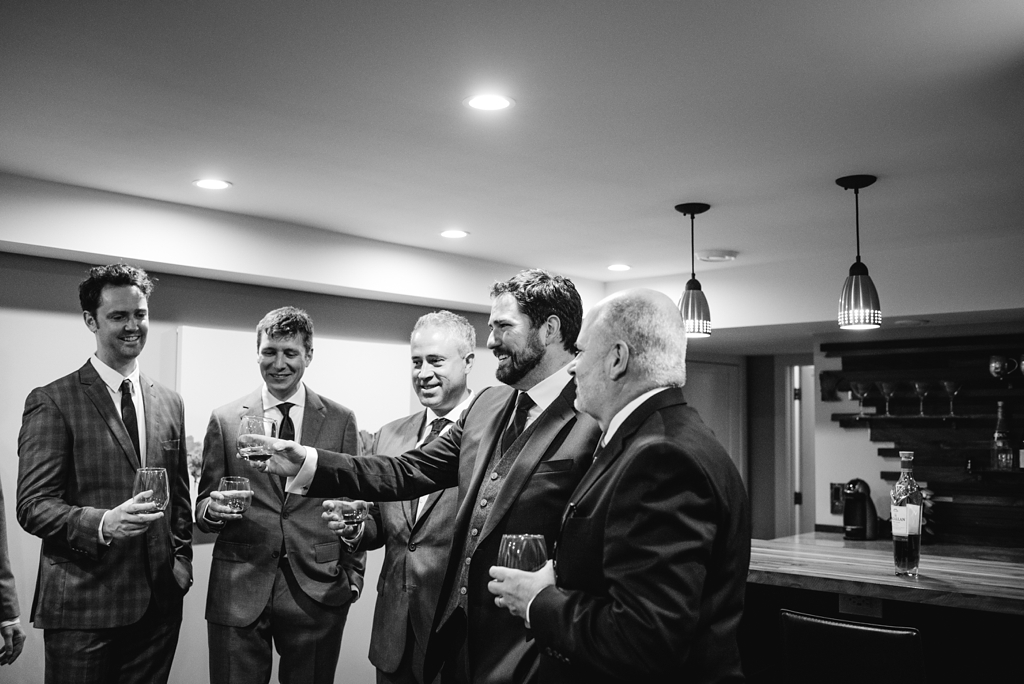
436 426
287 431
128 415
287 426
523 405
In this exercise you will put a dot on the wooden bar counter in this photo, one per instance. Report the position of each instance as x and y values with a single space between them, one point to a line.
968 602
975 578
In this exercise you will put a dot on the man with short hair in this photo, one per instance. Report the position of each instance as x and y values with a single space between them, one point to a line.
13 636
113 568
655 542
515 455
417 534
279 576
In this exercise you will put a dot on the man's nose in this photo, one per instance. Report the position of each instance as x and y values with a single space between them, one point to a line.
492 340
572 368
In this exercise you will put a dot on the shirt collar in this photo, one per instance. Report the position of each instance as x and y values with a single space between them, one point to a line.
113 379
547 390
454 414
298 397
625 412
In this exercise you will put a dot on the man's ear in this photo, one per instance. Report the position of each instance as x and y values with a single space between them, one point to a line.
618 360
468 360
90 321
309 356
552 330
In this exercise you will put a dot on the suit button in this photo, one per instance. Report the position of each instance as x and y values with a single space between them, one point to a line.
468 560
494 476
462 591
483 503
412 546
473 532
274 554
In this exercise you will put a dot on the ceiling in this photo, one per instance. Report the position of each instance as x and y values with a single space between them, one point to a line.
348 117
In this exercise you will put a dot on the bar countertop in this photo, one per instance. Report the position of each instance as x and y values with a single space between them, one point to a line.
975 578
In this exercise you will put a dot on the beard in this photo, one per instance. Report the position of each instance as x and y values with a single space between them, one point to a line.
520 363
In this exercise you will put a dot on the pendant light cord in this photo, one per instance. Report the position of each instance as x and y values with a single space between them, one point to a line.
856 204
693 267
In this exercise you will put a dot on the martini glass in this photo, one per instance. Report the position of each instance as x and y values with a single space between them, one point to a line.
860 390
888 389
951 388
923 389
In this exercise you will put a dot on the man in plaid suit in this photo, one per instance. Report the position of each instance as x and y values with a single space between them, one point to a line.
113 568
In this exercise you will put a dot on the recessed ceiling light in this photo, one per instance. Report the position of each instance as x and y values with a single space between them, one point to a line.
211 184
489 102
717 255
911 322
454 233
619 267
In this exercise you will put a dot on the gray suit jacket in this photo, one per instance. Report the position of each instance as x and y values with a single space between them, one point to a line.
247 552
76 462
415 557
8 596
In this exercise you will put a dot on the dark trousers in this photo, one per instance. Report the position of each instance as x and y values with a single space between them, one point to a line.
140 653
410 669
307 635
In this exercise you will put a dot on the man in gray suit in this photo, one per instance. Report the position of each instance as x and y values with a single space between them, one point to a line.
417 534
10 624
113 568
279 576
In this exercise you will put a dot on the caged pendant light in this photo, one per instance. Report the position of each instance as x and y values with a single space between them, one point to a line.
693 305
859 308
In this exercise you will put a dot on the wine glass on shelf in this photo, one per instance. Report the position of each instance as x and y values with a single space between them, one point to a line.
522 551
860 390
152 480
923 389
951 387
888 389
1001 366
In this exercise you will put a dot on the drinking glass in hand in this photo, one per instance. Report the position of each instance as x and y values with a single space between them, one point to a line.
352 512
155 481
522 551
255 425
237 493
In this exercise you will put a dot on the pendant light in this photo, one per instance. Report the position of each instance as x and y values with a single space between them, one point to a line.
859 308
693 305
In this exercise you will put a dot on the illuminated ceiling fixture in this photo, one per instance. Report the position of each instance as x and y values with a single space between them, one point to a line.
211 184
454 234
859 308
717 255
619 267
693 305
489 103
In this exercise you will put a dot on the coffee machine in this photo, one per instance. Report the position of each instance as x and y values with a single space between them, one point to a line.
860 520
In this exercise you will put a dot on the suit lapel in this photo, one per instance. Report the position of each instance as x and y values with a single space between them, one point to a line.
98 393
545 428
605 456
313 416
154 453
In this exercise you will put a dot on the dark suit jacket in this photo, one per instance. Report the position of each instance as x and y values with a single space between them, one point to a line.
247 552
531 500
8 595
415 557
77 461
652 558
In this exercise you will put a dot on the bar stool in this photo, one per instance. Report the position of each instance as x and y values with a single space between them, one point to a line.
819 649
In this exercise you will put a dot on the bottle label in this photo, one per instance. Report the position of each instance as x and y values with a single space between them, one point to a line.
913 519
898 515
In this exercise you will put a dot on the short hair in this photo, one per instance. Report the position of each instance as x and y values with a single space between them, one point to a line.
456 326
541 294
656 338
91 289
285 322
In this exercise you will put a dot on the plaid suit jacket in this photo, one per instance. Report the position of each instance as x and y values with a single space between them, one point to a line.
76 461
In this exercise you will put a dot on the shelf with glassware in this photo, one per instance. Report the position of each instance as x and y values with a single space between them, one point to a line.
939 398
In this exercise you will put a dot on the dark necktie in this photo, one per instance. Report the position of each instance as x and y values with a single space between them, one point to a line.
128 415
287 426
523 405
436 426
287 431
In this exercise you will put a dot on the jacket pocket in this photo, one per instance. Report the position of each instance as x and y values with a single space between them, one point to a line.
231 552
555 466
327 552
